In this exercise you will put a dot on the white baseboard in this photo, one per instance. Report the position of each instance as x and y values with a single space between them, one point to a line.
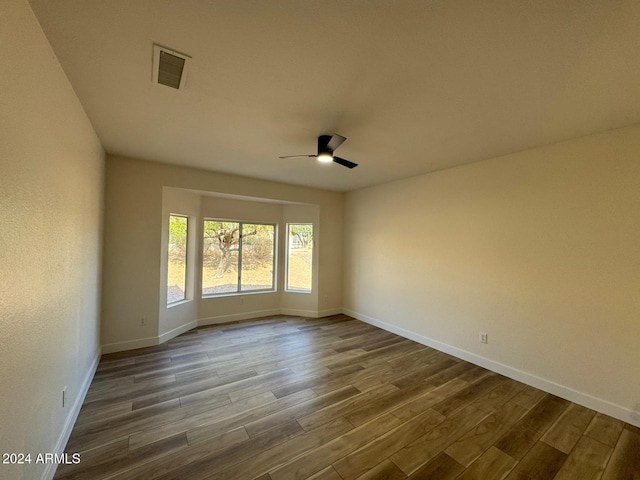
177 331
329 312
72 416
310 313
295 312
153 341
148 341
266 313
130 345
237 316
581 398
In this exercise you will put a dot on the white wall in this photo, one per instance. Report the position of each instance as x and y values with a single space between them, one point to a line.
133 254
51 175
540 249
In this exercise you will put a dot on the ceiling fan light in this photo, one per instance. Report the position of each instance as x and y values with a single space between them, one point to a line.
325 158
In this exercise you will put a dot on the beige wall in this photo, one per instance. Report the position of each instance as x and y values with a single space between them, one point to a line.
51 169
540 249
135 222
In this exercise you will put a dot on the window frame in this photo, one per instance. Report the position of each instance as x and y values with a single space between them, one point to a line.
185 297
287 255
239 291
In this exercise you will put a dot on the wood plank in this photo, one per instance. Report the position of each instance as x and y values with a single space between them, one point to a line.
441 467
214 463
386 403
529 397
327 474
472 444
97 415
203 432
209 416
518 441
299 410
368 456
94 434
428 399
421 374
270 459
306 465
568 429
542 461
493 464
605 429
625 461
532 426
162 466
124 460
385 470
497 397
186 387
317 380
95 456
464 397
344 407
419 452
586 461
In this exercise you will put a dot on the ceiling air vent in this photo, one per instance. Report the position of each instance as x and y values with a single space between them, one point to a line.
169 67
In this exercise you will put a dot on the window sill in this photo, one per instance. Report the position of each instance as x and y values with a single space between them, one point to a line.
238 294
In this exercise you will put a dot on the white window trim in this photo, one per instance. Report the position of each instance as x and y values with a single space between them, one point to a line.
240 292
286 260
186 298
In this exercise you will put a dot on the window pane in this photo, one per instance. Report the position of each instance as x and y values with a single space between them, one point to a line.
299 256
177 259
257 256
220 257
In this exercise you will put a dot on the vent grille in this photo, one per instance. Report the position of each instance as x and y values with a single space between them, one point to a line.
169 67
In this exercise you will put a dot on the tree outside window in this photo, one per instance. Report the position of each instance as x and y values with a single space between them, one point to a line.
237 257
299 257
177 259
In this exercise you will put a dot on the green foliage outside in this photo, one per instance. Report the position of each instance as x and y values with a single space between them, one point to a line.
303 233
299 265
178 234
176 279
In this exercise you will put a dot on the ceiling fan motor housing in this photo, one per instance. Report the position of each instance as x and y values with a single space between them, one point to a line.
323 141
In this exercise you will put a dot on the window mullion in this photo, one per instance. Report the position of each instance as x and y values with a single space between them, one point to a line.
239 287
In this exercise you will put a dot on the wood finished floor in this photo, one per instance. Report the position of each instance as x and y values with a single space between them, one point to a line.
332 398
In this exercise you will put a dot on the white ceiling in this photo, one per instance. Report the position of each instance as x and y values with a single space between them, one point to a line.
415 86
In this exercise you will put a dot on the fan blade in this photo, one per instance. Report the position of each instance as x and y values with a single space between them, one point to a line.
344 163
298 156
335 142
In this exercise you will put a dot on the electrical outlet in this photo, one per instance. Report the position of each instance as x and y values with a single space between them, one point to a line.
142 322
483 337
64 396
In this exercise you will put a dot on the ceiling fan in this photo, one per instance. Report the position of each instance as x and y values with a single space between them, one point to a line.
326 146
